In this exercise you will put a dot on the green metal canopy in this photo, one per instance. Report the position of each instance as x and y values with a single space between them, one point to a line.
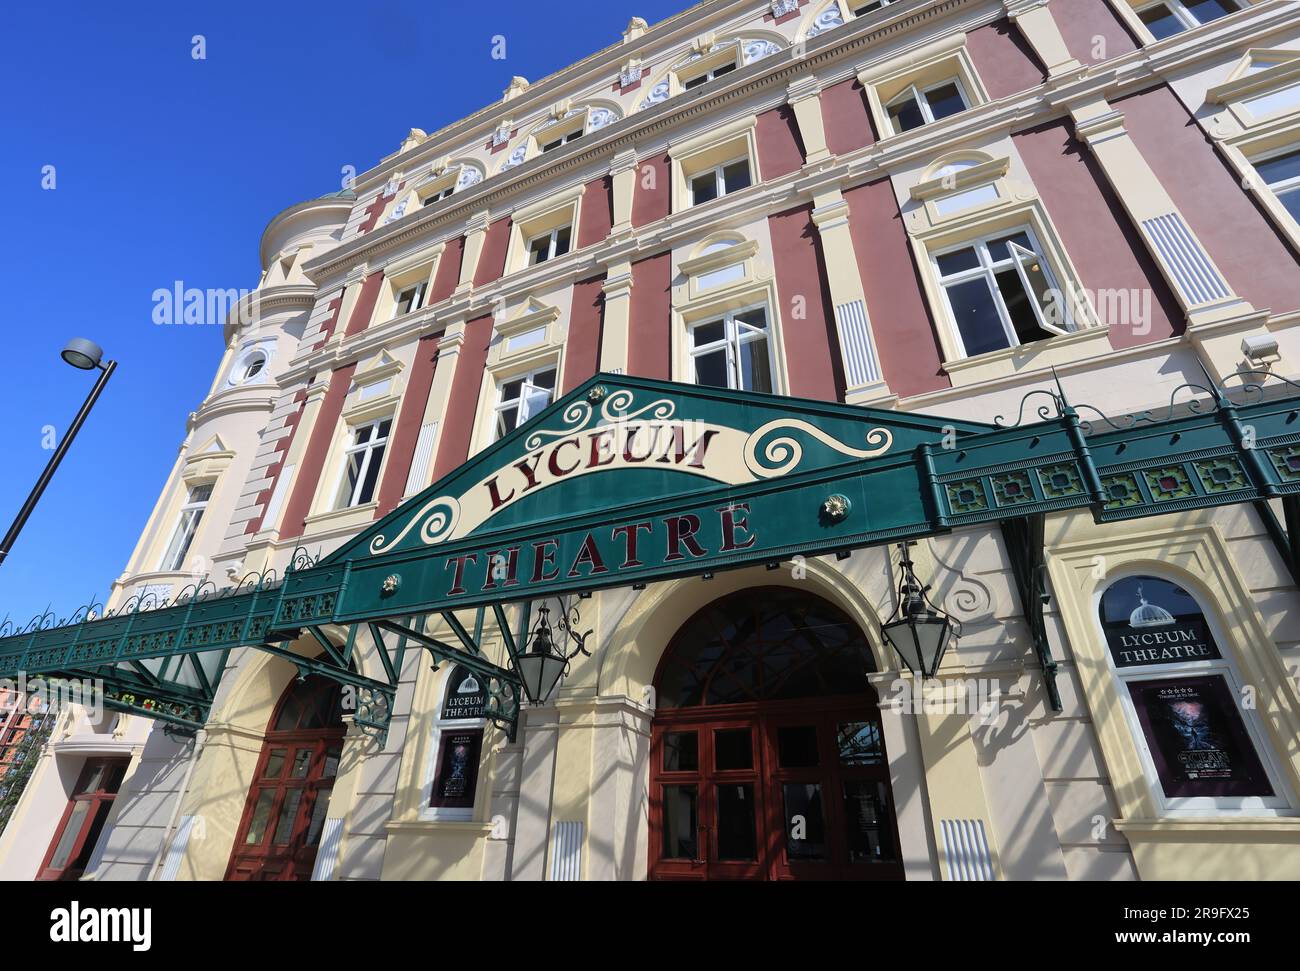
630 481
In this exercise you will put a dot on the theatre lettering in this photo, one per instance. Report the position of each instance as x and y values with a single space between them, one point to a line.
624 546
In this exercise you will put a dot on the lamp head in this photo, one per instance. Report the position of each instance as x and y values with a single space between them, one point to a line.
83 354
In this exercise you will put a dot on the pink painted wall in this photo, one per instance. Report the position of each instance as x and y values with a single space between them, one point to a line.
597 215
1092 31
458 422
313 458
273 470
1249 251
811 343
492 258
649 337
653 189
1003 58
1100 238
582 346
779 149
846 117
406 431
364 308
448 275
900 320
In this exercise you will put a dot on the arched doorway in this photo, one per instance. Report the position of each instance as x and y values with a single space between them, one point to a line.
767 755
280 831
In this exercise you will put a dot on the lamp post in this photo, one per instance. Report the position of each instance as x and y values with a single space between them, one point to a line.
922 632
86 356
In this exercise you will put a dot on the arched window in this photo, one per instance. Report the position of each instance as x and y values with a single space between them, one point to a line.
1202 746
457 747
764 644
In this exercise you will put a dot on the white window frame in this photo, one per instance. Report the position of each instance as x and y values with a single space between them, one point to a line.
522 403
1287 186
720 180
920 95
420 289
733 339
440 727
554 237
187 527
709 74
369 446
1183 15
553 142
988 270
854 14
439 195
1280 804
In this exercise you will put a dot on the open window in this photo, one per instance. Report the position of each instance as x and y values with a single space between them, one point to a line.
410 298
918 106
999 293
187 525
929 85
521 397
733 351
363 458
550 244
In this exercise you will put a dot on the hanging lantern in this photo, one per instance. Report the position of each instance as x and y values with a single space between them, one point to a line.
544 662
921 633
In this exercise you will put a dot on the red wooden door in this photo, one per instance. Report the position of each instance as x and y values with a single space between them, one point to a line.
767 761
280 831
83 819
772 791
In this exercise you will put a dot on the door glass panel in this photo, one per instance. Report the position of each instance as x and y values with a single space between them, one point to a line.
288 812
858 743
805 829
866 818
261 816
331 764
737 839
301 763
681 752
318 810
274 764
71 831
732 749
797 746
680 822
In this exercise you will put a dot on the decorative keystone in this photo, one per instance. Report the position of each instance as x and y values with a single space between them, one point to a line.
390 584
836 507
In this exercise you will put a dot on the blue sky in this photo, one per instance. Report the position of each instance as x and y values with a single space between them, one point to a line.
168 168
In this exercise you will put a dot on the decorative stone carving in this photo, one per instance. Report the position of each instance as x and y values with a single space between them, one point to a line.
502 134
828 19
600 117
517 87
658 93
468 176
782 7
516 158
756 50
630 74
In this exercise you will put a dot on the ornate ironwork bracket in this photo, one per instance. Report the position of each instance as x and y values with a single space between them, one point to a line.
1024 542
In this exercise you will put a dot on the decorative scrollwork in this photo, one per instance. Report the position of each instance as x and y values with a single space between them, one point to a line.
782 454
1153 416
436 519
1045 412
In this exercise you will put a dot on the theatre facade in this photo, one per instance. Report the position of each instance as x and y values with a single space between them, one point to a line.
803 440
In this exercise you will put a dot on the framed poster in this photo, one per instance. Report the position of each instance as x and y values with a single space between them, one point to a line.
1197 738
456 778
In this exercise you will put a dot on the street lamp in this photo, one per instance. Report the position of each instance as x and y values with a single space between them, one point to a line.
86 356
922 632
544 663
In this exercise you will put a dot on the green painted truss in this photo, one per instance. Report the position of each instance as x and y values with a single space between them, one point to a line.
798 482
